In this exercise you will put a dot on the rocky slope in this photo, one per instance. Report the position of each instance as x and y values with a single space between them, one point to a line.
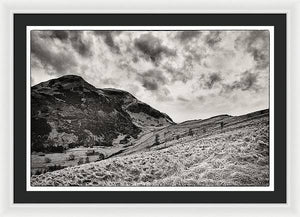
68 112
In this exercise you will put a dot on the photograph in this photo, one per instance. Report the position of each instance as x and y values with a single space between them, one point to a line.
149 107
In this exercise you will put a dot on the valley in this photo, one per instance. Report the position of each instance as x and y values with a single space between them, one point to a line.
140 146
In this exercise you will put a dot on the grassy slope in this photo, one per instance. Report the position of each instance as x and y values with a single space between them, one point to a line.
237 155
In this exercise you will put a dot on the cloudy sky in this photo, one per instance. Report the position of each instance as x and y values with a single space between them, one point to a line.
186 74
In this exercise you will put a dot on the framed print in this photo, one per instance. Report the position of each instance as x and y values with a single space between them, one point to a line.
150 108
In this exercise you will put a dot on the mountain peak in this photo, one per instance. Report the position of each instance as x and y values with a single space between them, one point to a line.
67 79
70 78
65 82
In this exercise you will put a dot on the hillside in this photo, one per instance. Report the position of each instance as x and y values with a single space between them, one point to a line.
68 112
219 151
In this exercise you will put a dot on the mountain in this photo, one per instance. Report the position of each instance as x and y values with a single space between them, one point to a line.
68 111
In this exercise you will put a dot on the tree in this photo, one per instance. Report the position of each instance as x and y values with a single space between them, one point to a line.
71 157
80 161
101 156
191 133
90 152
87 160
47 160
156 142
222 124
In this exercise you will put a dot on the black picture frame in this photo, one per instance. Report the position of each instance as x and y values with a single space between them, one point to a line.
21 21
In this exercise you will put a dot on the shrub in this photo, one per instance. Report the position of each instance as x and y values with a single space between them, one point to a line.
87 160
90 152
106 143
177 137
55 149
156 141
130 144
125 140
190 133
40 130
54 167
37 172
101 156
72 145
97 143
222 124
80 161
71 157
47 160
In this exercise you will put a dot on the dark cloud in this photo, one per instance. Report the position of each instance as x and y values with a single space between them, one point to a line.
108 37
83 47
152 48
60 34
150 84
211 80
187 36
248 81
213 38
182 74
152 80
73 37
59 61
126 67
257 44
194 54
135 59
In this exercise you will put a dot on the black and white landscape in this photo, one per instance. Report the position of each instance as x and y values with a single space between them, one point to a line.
150 108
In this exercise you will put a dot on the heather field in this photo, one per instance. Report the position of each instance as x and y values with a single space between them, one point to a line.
194 153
